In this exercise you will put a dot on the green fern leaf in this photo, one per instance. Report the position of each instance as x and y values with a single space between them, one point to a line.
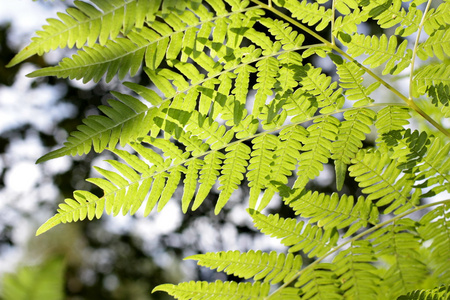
391 118
241 89
400 243
319 283
438 44
296 235
271 267
234 167
431 75
435 227
208 176
214 134
351 133
283 32
287 155
442 292
350 75
301 106
382 180
332 211
437 18
87 24
215 290
260 165
123 55
348 24
190 182
321 88
126 120
317 149
410 150
390 13
380 50
85 205
356 271
309 13
267 73
440 97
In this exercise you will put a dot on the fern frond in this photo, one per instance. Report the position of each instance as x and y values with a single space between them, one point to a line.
308 13
317 149
352 131
332 211
260 165
270 267
287 155
87 23
84 205
283 33
214 134
234 167
383 181
208 176
409 148
349 23
266 80
345 7
322 88
128 190
215 290
124 55
442 292
435 227
437 18
319 283
381 50
390 13
438 44
126 119
431 75
391 118
425 157
350 75
241 88
400 244
356 272
440 97
298 236
301 106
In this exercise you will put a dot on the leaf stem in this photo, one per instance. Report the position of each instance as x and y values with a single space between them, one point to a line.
370 230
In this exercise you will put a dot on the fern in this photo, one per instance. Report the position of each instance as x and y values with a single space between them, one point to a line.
239 95
297 235
272 267
215 290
